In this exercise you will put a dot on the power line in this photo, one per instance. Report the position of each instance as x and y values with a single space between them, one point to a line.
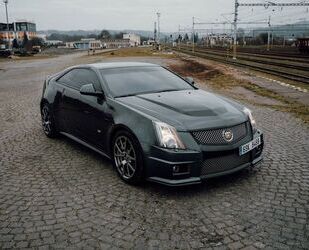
266 5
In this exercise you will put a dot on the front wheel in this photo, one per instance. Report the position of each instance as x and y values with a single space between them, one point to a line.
48 122
127 157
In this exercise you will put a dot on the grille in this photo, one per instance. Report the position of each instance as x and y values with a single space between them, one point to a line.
215 136
223 163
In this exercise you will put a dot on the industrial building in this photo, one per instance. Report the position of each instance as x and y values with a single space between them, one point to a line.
17 30
223 40
115 43
135 40
85 44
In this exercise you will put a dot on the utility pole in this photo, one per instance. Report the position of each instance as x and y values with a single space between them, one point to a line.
193 35
178 37
7 21
265 5
155 32
272 40
158 15
235 30
268 38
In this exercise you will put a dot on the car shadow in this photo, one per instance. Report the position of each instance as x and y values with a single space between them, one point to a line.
207 186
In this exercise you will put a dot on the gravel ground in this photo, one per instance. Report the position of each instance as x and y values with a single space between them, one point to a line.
58 194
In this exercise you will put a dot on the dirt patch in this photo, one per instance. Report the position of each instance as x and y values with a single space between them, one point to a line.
194 69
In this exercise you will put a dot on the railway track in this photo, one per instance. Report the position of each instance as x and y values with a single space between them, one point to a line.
291 72
273 56
260 59
272 53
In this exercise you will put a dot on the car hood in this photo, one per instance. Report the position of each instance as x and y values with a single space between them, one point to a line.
188 109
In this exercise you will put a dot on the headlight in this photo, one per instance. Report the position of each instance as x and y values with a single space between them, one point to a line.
167 136
252 120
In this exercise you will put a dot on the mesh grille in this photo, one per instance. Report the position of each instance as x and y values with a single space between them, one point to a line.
223 163
215 136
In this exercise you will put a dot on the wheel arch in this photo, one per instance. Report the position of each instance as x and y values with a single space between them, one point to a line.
42 102
116 128
120 127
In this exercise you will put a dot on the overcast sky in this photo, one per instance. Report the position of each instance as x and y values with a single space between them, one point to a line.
125 14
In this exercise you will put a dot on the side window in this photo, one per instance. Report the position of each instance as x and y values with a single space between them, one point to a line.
90 76
79 77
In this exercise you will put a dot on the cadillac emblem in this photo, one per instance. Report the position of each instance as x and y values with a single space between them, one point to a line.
227 135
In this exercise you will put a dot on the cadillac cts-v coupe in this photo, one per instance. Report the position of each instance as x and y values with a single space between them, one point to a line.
152 123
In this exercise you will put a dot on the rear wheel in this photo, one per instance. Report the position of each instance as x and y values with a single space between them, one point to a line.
127 157
48 122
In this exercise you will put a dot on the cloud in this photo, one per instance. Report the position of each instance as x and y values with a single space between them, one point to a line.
119 14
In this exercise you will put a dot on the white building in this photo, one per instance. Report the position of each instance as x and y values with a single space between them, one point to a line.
135 40
217 40
115 43
53 42
88 44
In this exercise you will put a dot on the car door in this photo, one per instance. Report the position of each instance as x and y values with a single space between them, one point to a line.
59 110
70 100
93 120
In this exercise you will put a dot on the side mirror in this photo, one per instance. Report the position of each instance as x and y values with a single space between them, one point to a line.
190 80
88 89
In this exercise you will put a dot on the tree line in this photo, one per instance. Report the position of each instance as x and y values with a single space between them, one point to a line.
104 34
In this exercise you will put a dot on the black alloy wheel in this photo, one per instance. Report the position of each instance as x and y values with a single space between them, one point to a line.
48 123
127 157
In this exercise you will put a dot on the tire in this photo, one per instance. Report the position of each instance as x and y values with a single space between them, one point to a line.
48 121
127 157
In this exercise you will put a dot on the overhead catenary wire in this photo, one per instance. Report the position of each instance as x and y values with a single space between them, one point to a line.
265 4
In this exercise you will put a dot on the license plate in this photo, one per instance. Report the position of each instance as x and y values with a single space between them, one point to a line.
249 146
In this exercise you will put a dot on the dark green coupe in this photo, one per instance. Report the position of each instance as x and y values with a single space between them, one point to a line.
152 123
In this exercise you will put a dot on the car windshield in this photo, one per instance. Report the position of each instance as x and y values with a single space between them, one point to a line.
141 80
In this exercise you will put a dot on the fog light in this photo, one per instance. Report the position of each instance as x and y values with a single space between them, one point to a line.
181 170
175 169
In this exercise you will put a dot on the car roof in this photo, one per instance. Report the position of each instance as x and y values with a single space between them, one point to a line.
111 65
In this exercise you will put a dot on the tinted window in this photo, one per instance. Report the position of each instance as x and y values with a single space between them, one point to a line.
138 80
79 77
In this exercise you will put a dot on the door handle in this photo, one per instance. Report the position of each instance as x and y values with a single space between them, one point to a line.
87 112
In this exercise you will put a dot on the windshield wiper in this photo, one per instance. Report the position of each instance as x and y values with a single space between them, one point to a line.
119 96
167 90
149 92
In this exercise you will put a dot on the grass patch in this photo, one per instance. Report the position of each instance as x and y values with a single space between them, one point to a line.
227 82
220 81
140 51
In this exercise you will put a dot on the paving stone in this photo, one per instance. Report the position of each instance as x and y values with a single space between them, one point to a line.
58 194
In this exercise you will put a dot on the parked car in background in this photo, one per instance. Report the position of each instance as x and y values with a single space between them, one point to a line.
5 52
152 123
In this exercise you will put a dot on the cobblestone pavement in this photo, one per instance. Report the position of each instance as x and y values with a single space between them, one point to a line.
58 194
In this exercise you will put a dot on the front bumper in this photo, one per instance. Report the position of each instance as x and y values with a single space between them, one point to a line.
195 166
